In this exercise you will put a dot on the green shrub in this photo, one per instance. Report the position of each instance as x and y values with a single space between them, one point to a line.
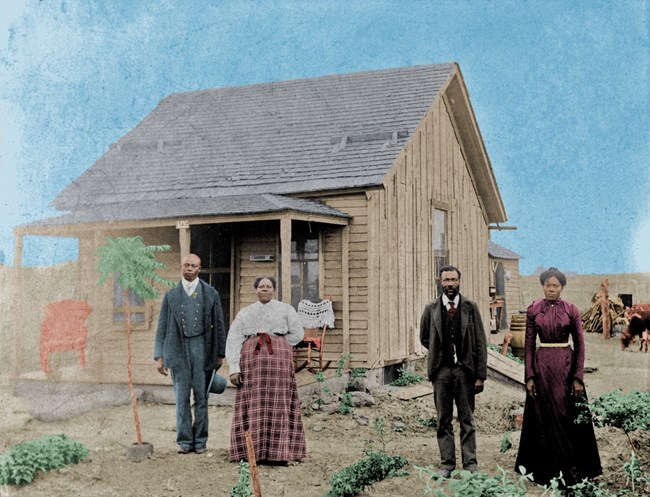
469 484
429 422
628 412
20 463
376 466
505 442
346 403
357 373
406 378
243 486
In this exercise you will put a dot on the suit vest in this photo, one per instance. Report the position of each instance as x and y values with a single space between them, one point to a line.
192 312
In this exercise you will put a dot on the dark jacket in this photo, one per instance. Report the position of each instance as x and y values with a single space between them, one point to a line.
169 336
474 344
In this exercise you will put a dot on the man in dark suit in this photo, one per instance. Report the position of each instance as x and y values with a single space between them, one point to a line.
452 330
191 342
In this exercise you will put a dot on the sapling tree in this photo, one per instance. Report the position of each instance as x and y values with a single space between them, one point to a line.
134 266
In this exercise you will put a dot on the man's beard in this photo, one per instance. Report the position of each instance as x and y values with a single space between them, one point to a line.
451 292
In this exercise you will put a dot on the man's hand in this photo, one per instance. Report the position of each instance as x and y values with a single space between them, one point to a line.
478 386
219 363
236 380
531 389
159 365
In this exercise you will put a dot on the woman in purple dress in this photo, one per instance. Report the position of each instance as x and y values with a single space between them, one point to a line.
551 442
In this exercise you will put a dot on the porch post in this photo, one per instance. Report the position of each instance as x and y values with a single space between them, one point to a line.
345 287
285 247
17 310
184 237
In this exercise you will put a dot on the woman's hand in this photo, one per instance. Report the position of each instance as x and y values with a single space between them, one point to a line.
235 379
577 389
531 389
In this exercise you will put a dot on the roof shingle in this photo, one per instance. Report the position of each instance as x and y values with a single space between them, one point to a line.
278 138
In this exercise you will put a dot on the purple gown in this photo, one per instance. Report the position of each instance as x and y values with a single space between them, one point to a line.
550 440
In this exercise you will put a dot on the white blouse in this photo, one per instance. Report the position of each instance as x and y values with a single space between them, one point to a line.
274 317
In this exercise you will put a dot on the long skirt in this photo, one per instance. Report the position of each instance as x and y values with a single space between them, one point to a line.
551 442
267 404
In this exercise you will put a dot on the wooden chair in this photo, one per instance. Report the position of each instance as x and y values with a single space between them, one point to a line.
316 318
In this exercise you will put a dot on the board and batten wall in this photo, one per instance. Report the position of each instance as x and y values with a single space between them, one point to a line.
431 172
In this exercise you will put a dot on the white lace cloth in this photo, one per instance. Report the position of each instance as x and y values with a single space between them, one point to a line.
316 314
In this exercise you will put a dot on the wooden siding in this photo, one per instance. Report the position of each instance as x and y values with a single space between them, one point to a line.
430 172
348 278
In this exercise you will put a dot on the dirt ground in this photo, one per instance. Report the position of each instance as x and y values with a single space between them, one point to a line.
334 441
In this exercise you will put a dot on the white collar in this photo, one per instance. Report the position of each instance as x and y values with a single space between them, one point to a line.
446 300
190 286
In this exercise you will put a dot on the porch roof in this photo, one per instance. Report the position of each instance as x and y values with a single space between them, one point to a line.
172 208
496 251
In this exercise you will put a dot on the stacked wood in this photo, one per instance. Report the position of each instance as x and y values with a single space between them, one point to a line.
592 318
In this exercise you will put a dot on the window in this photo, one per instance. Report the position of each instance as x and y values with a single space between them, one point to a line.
440 252
138 308
304 264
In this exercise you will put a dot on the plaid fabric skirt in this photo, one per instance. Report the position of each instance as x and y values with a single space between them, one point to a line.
267 404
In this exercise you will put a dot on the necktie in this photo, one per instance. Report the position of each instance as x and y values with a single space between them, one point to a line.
452 309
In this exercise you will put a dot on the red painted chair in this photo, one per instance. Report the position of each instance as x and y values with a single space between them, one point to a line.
63 329
316 318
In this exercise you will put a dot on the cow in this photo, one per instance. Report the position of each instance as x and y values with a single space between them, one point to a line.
638 317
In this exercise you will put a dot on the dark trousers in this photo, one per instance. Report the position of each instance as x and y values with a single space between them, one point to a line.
455 384
188 381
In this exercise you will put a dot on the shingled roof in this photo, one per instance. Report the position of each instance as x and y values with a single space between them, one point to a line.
285 138
226 205
499 252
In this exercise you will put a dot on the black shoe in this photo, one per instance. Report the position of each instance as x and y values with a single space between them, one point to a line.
183 450
200 450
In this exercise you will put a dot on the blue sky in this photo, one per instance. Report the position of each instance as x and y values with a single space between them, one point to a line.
560 91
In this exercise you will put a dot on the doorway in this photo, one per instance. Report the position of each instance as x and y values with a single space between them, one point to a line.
213 243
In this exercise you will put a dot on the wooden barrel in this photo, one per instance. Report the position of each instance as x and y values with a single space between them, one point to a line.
518 332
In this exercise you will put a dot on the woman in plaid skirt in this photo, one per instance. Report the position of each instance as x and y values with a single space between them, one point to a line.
259 351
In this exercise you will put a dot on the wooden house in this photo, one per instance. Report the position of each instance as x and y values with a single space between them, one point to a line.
355 186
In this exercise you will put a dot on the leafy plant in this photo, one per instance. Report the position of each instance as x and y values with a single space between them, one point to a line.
357 373
406 378
134 266
346 403
243 486
319 376
629 412
509 355
20 464
505 442
379 427
635 474
353 479
429 422
340 365
587 488
470 484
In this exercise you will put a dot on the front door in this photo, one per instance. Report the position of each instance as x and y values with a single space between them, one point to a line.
213 244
